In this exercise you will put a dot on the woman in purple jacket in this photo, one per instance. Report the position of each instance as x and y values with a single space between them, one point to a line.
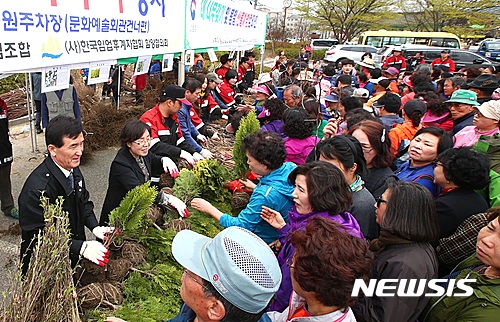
320 190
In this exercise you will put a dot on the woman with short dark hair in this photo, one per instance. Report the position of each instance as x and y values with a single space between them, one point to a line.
326 263
408 223
133 166
459 172
298 127
266 157
345 153
320 191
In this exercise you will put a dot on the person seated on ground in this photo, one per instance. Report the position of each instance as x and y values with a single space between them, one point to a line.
166 137
189 131
59 176
402 134
376 147
312 107
232 255
266 155
423 150
461 105
483 267
486 122
438 114
205 108
320 191
271 116
227 63
345 153
459 172
132 166
262 93
408 223
389 106
226 92
297 126
322 250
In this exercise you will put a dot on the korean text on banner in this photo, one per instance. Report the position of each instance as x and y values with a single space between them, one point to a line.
43 33
223 24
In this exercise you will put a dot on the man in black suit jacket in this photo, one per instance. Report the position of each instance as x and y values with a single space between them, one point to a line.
59 175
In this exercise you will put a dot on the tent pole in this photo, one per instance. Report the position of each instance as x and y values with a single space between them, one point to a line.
262 58
182 69
119 87
29 105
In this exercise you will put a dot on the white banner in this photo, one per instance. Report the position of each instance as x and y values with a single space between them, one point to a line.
43 33
224 24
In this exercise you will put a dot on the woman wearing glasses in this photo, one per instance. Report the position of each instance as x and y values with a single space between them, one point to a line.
133 165
320 191
408 223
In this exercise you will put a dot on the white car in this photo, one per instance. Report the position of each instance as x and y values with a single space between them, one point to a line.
338 52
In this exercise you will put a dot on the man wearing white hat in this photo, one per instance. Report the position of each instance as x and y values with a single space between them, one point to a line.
232 277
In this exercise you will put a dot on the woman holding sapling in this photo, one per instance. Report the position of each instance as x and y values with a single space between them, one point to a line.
133 165
266 157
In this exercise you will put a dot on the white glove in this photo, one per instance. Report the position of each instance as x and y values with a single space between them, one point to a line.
95 252
170 167
206 154
203 139
188 157
176 203
197 157
215 136
101 231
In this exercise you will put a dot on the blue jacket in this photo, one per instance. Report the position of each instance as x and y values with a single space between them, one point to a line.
273 191
186 314
354 80
189 131
422 175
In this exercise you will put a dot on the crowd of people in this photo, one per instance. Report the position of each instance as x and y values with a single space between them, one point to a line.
360 173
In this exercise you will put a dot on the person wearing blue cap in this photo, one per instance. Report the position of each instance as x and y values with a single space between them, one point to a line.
232 277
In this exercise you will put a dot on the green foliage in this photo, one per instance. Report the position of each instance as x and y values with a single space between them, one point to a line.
318 55
159 245
204 224
153 309
210 175
130 215
249 124
186 187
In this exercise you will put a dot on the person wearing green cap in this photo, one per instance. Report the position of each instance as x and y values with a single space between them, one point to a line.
461 104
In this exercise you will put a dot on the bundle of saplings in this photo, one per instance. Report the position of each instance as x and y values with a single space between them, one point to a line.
47 292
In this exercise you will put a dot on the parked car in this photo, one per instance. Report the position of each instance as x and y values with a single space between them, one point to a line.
338 52
462 58
386 51
490 50
319 44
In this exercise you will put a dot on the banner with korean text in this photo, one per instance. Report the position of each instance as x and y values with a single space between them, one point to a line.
223 24
43 33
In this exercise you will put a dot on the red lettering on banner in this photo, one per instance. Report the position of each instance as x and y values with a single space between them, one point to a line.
53 3
120 4
86 4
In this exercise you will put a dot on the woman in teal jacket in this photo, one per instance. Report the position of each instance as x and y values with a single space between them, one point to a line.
266 157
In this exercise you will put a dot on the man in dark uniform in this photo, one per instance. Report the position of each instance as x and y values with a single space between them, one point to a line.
6 199
59 175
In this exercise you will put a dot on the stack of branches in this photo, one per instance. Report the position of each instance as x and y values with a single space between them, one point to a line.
47 292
